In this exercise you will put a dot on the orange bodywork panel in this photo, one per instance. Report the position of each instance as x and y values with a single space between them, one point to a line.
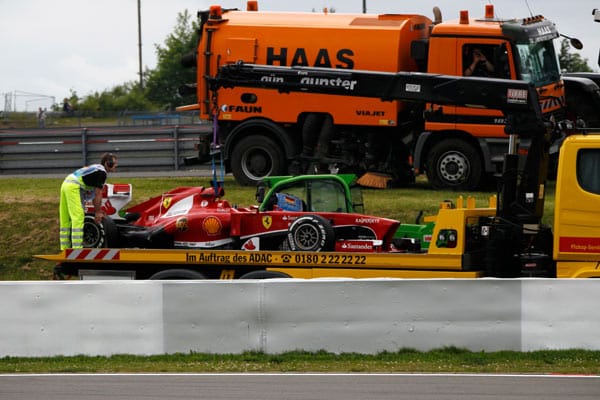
345 41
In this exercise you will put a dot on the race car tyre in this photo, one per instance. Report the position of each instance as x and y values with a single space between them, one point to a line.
311 233
255 157
454 164
96 235
264 275
173 274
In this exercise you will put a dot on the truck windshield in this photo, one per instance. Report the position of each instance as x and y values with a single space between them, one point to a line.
537 63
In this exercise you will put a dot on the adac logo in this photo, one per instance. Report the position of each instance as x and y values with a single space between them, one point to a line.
166 203
267 220
212 225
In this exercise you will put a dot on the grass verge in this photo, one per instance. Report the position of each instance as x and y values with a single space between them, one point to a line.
447 360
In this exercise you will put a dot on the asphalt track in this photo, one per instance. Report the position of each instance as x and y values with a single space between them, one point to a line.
298 387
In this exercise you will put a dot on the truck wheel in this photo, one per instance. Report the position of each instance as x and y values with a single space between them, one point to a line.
255 157
96 235
173 274
454 164
264 275
311 233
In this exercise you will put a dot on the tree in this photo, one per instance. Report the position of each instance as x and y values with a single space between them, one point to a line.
161 83
169 75
73 101
571 62
125 97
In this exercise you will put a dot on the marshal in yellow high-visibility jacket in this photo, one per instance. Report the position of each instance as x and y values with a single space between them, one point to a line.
84 184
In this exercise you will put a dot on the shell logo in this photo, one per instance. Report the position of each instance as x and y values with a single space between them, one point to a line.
212 225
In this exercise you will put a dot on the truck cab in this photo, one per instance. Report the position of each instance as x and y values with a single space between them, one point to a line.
577 208
463 144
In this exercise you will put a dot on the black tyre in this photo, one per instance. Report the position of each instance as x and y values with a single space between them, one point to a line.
264 275
104 234
311 233
454 164
173 274
255 157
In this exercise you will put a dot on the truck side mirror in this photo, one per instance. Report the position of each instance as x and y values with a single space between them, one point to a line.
576 43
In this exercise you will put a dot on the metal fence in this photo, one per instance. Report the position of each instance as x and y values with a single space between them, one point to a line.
141 148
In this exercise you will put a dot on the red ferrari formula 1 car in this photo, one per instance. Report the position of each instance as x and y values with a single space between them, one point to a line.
304 213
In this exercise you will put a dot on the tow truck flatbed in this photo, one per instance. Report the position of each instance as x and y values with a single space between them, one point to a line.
229 264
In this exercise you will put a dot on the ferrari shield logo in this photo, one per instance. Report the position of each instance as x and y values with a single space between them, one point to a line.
166 203
267 220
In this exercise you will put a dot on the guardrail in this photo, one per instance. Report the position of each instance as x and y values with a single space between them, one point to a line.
139 148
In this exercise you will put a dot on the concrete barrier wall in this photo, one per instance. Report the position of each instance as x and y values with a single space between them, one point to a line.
274 316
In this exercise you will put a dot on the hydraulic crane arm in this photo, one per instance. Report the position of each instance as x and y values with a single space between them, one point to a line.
510 96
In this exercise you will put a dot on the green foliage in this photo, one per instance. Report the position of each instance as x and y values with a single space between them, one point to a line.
72 99
571 62
123 97
160 91
450 360
169 75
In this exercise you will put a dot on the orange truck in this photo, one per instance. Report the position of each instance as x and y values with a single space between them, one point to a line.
262 132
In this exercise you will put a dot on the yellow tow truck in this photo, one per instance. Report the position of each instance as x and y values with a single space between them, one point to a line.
504 239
